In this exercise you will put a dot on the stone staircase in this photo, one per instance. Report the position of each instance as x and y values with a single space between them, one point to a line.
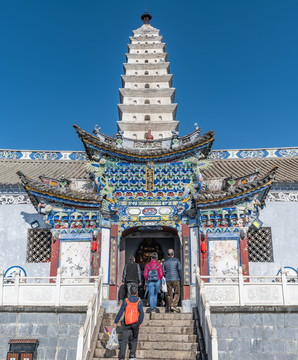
164 336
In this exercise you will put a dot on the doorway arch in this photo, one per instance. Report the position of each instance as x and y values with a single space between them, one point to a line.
141 241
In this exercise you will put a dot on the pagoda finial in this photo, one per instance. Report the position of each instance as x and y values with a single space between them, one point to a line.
149 136
146 17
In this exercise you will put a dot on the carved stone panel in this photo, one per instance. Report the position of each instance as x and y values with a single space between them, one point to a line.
75 258
223 258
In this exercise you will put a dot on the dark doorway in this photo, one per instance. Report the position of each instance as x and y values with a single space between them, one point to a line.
141 244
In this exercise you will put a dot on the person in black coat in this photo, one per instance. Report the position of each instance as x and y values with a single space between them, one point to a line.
172 272
132 275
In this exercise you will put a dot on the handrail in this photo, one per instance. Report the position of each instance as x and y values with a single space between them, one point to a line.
87 330
46 290
209 332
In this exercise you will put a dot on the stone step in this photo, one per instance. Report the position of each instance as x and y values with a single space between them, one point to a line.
115 357
165 323
151 329
159 345
171 316
188 338
150 354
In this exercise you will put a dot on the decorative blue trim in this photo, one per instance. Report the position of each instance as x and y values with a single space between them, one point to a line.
16 267
213 155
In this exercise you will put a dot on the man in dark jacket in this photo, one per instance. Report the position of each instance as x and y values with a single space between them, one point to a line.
172 273
134 328
131 274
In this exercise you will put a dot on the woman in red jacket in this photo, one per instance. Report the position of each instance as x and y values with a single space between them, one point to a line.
153 274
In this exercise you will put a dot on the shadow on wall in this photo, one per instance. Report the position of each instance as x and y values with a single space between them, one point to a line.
30 218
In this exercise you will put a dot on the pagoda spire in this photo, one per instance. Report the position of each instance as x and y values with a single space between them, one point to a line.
147 96
146 17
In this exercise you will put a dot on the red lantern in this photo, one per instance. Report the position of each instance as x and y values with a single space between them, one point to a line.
203 247
94 245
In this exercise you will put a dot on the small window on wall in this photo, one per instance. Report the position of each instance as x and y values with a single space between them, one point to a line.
146 61
146 72
259 243
147 86
134 136
147 101
147 117
39 245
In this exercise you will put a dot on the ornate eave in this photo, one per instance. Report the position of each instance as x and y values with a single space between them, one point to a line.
162 150
40 192
235 195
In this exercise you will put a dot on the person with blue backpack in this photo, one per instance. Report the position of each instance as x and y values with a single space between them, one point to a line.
153 274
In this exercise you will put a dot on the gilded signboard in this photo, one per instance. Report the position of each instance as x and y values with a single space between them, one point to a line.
150 176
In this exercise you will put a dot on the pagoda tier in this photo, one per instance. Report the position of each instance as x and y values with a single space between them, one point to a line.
147 97
235 195
162 150
42 193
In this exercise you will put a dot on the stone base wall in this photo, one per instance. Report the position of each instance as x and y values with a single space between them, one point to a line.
258 333
56 329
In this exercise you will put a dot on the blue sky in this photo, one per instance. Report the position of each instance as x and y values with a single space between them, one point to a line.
234 64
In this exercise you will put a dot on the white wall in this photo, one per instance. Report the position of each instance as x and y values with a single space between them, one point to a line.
282 217
14 222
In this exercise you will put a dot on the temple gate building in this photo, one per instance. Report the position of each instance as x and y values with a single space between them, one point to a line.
148 189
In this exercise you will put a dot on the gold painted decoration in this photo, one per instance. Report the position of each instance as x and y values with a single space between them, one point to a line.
186 260
150 176
113 257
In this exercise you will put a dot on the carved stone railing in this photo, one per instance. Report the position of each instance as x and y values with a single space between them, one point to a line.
46 290
241 290
251 290
88 332
209 333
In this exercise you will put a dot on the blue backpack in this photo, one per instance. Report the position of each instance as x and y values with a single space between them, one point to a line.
153 274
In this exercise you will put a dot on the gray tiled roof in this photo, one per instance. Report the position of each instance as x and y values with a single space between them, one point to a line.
35 168
287 168
287 171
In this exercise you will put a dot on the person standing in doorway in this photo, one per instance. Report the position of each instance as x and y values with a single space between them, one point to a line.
131 275
153 274
172 271
132 307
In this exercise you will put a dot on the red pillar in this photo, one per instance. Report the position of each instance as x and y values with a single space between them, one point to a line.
96 256
244 255
54 256
186 261
203 255
113 260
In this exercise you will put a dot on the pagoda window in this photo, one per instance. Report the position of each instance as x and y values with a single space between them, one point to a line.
158 102
137 52
157 86
147 86
146 61
160 136
134 118
155 60
146 72
136 85
136 73
135 101
156 73
160 117
146 51
137 60
134 136
147 118
147 101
